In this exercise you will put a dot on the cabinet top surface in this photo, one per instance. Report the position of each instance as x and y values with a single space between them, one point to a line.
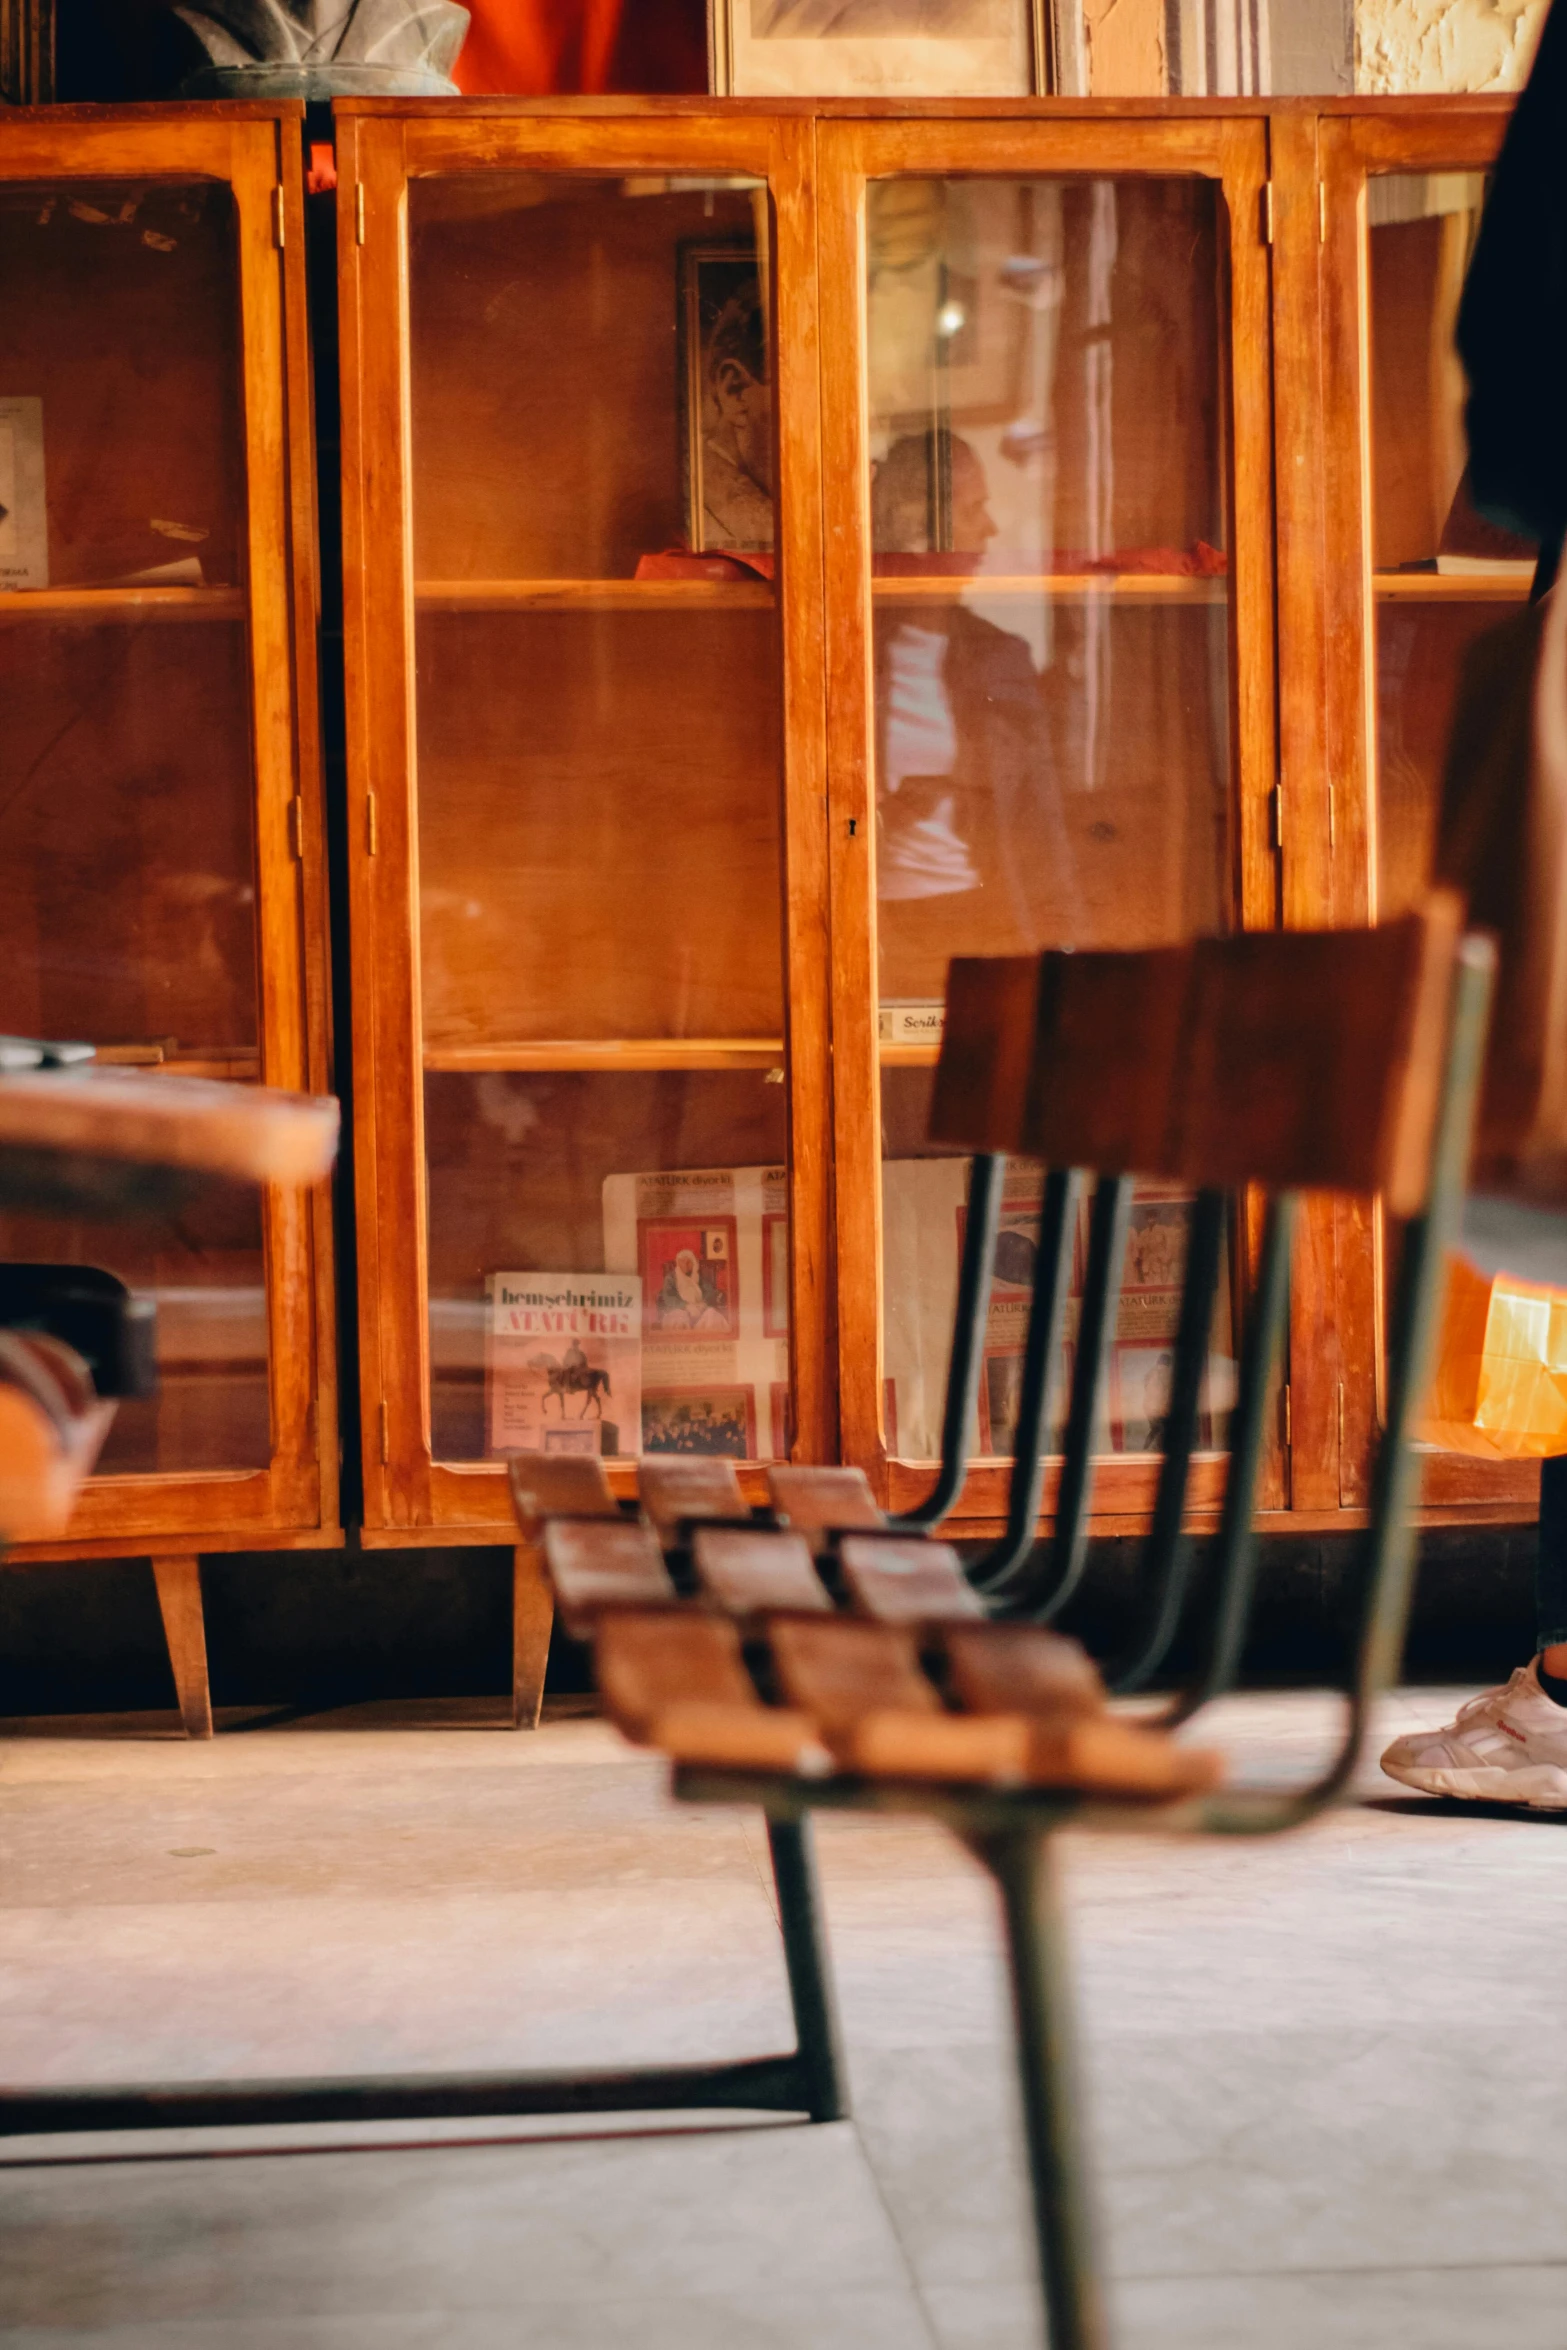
1051 109
172 111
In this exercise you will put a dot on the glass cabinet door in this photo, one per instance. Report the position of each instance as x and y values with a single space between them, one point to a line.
1049 751
597 817
1441 573
149 894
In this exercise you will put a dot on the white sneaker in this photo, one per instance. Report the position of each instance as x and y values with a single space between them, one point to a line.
1507 1746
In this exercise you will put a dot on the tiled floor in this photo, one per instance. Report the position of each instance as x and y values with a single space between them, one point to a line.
1328 2095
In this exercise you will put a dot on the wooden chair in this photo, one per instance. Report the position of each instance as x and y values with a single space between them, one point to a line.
1344 1061
79 1140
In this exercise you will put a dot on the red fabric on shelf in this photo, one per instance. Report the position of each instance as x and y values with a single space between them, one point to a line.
539 48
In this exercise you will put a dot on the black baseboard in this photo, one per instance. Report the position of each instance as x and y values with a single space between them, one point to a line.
309 1629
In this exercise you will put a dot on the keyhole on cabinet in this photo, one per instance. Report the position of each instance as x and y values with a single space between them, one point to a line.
854 826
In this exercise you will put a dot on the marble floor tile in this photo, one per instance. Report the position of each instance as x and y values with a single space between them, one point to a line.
848 2319
728 2217
1401 2309
650 1975
1214 2155
1320 2102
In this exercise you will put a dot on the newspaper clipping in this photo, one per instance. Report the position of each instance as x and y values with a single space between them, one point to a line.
564 1362
709 1248
924 1216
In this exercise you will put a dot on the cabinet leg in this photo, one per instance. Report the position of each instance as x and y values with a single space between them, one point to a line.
532 1614
179 1602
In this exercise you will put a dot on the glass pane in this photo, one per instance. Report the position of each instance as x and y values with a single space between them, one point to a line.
599 782
127 863
1049 503
925 1204
1441 572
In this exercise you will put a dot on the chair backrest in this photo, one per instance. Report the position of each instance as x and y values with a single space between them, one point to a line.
1337 1061
1312 1060
1300 1060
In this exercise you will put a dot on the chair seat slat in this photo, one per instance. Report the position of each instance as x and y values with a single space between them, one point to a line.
818 1501
675 1488
755 1573
599 1563
903 1580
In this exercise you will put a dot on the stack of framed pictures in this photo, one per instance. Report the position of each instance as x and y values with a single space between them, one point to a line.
884 48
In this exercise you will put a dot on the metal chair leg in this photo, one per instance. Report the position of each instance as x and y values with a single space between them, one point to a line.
999 1570
1023 1864
1237 1546
818 2039
1044 1593
1167 1554
968 1346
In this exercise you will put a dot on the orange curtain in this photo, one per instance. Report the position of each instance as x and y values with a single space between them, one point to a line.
540 48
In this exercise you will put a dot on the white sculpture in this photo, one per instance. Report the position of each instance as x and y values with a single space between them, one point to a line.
322 48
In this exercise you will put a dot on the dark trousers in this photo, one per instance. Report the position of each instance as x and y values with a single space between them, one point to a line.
1550 1574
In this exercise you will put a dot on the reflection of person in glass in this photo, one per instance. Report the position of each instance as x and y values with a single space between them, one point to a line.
968 792
737 440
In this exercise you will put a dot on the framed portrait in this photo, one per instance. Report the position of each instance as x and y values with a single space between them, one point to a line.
689 1277
713 1422
780 1416
1158 1233
775 1275
1000 1393
879 48
1140 1379
726 399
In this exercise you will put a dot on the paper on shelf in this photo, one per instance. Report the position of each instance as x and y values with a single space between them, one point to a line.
24 522
710 1247
924 1214
563 1362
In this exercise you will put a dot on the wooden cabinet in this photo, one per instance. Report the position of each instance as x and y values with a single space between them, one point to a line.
783 548
1056 611
161 872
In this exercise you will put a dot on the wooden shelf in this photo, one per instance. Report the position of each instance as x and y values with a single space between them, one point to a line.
123 603
240 1063
1445 587
612 1053
1132 587
592 595
908 1056
700 595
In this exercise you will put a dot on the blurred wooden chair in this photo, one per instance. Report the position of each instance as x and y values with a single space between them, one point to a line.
107 1143
859 1666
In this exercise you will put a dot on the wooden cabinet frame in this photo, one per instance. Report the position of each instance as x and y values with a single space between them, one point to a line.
408 1493
255 149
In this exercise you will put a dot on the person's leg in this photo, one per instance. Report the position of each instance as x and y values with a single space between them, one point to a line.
1550 1578
1509 1745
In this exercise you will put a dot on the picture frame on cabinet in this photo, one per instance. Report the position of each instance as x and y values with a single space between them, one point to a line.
880 48
725 374
26 52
